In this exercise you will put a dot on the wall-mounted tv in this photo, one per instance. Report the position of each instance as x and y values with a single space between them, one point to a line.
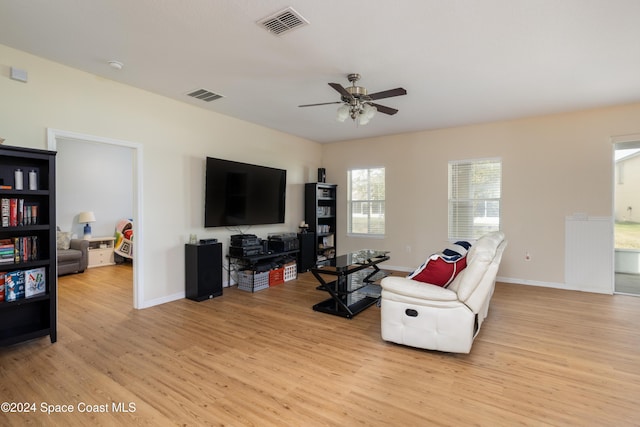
243 194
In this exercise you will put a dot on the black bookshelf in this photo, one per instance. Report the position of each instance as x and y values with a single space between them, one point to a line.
30 227
320 212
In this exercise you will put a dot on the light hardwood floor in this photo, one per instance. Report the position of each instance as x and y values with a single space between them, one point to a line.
543 357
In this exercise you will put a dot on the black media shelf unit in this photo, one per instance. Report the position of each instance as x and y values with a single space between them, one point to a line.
320 213
250 263
33 231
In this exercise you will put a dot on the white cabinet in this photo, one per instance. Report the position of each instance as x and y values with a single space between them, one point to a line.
101 251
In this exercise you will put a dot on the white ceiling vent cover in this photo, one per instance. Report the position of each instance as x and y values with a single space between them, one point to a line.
204 95
283 21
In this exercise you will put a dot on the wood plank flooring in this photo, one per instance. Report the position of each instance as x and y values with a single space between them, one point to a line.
543 357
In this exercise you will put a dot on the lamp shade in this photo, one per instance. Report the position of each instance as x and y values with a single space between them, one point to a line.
86 217
343 113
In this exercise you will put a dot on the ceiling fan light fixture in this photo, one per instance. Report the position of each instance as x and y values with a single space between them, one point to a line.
369 111
360 112
362 119
343 113
365 114
357 103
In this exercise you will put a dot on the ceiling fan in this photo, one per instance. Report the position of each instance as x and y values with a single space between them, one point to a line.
357 104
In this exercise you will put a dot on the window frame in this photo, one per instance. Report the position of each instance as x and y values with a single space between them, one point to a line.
369 201
457 230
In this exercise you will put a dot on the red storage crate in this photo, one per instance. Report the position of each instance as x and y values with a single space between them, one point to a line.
276 276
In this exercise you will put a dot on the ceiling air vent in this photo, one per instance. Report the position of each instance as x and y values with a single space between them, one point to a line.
204 95
283 21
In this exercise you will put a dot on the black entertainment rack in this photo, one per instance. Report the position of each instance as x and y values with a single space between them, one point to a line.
252 262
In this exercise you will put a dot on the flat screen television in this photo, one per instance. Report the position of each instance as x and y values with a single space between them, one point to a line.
243 194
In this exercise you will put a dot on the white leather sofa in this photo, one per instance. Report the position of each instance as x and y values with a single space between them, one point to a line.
446 319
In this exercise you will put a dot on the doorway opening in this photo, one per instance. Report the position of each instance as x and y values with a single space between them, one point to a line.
54 137
626 212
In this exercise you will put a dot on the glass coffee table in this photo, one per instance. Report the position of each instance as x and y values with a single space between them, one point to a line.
349 279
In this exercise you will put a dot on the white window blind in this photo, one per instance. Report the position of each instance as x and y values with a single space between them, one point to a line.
366 202
474 198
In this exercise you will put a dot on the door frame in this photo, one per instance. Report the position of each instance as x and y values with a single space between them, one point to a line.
621 140
138 266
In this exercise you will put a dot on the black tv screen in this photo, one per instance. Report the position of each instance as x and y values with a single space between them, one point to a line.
243 194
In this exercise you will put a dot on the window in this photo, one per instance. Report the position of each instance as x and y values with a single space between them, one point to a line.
474 198
365 202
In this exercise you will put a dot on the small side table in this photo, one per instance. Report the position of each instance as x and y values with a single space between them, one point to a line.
101 251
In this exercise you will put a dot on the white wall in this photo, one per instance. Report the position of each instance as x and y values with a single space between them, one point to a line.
176 138
553 166
93 177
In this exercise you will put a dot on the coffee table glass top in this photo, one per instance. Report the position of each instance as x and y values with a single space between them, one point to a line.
364 256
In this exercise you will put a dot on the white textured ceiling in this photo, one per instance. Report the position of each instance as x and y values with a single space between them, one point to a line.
461 61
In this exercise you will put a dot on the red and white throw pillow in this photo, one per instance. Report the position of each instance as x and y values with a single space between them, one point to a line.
439 271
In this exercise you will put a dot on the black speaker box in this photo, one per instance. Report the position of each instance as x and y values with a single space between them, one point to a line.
203 271
322 175
307 254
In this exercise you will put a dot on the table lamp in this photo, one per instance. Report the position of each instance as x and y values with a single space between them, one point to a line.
86 218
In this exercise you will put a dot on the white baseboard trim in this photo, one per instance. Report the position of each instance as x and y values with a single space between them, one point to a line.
163 300
527 282
512 280
553 285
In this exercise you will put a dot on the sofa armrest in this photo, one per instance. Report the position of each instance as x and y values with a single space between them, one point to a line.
415 289
79 245
82 246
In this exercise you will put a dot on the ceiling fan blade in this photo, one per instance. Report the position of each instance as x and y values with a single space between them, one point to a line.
388 93
341 90
322 103
386 110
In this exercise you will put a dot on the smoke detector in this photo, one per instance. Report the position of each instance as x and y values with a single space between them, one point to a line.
116 65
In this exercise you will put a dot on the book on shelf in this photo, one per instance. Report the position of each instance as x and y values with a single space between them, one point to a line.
19 249
25 249
7 258
7 251
14 285
16 212
4 211
31 212
20 212
35 282
2 286
13 212
29 215
34 247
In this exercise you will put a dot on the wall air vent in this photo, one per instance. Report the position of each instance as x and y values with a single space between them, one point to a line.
283 21
204 95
